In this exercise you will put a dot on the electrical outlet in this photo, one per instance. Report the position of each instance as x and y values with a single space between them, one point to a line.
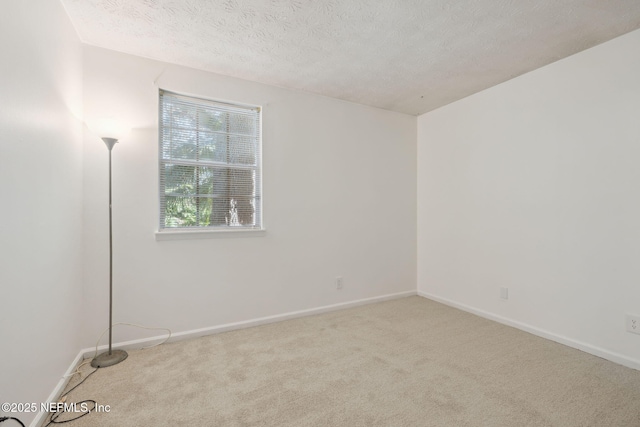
504 293
339 283
633 324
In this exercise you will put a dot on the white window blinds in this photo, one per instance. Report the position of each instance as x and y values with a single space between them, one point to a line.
210 163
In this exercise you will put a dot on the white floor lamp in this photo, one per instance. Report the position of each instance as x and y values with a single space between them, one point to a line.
110 357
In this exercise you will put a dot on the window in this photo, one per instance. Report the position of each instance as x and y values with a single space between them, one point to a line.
210 176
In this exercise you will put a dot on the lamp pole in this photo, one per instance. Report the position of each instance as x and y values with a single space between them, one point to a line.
111 357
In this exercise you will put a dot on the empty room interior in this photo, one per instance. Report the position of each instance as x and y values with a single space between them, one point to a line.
320 213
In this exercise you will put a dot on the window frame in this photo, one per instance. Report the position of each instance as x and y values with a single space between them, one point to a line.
203 231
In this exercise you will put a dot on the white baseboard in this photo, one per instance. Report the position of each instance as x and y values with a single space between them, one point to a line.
587 348
39 419
195 333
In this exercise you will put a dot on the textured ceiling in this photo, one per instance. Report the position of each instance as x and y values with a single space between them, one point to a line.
409 56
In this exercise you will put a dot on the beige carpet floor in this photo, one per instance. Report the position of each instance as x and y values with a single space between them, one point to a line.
406 362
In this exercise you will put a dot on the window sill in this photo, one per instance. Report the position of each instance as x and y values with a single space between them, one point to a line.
207 234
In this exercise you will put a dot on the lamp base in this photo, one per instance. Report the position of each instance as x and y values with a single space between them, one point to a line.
105 359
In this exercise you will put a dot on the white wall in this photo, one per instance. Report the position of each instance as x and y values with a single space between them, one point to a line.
535 185
339 200
41 212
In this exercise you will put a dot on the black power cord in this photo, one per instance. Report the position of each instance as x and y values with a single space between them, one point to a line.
80 383
3 419
54 416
